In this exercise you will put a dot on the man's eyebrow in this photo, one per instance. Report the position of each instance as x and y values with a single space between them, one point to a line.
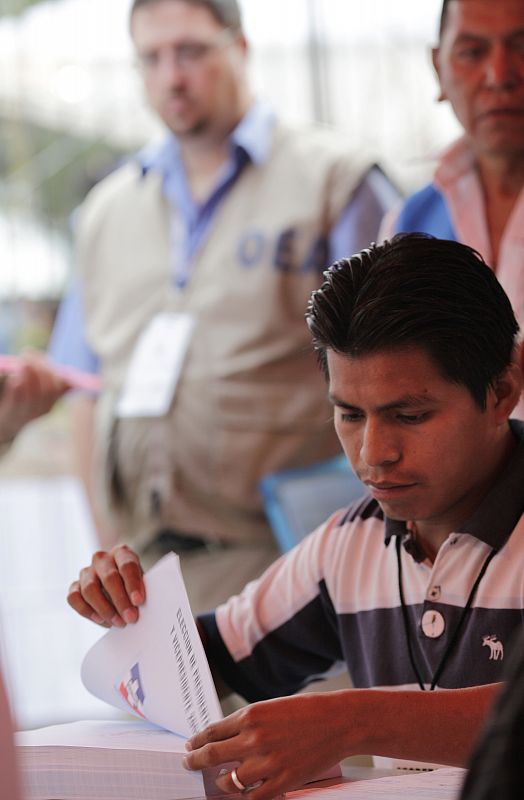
406 401
465 36
470 36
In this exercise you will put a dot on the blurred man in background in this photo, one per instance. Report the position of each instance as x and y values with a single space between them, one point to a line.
476 195
202 251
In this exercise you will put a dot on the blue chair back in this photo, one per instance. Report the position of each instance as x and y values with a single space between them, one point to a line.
297 501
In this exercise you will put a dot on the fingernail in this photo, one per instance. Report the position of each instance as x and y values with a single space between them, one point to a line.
117 621
130 615
137 598
97 619
185 763
188 746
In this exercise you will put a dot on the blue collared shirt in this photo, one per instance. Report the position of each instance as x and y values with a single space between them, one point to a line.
250 143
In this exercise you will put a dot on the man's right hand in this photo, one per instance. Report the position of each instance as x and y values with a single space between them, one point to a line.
28 393
110 590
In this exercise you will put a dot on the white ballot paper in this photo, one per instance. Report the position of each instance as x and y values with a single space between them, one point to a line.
157 667
440 784
155 366
107 760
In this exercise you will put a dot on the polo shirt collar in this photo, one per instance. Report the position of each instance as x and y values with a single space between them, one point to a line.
498 513
253 136
456 160
254 133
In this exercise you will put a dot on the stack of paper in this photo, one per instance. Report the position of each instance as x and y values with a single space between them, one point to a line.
107 761
441 784
156 669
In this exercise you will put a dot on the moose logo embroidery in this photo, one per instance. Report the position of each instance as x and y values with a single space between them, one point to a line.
496 648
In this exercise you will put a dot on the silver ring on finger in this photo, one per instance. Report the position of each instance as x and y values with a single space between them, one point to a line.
236 780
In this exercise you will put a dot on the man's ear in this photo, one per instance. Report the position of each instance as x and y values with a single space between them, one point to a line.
240 52
244 44
435 58
506 391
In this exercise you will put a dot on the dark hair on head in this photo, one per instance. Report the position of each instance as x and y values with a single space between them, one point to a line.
443 14
226 12
418 291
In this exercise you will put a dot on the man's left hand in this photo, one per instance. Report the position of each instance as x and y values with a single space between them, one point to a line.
279 744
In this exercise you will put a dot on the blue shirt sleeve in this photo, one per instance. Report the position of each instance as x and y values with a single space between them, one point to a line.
68 344
360 221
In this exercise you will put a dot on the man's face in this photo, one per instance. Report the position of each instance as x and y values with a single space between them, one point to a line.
419 442
480 65
193 68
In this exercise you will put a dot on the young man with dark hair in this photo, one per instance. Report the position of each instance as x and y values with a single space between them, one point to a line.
476 195
416 588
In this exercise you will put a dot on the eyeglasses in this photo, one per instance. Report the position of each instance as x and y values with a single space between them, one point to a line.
186 55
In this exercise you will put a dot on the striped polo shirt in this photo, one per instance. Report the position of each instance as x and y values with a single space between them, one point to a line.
333 602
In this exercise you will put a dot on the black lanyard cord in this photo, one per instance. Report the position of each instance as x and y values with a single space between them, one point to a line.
454 638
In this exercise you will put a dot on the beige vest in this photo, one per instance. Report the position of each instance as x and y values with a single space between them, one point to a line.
251 398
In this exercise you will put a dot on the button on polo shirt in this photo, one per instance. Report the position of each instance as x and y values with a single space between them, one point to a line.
433 624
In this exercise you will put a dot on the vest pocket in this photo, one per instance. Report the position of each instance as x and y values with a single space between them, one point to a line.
264 428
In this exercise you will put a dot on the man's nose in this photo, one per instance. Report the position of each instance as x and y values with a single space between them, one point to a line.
380 444
168 69
502 71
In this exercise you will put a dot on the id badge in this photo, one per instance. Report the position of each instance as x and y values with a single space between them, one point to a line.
155 366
